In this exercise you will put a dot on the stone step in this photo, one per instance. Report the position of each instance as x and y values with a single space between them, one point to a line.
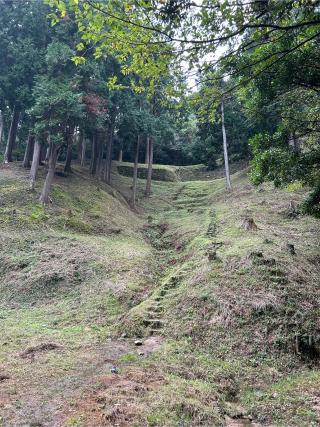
154 332
276 272
190 205
153 309
199 211
155 304
154 323
168 286
194 196
278 279
191 200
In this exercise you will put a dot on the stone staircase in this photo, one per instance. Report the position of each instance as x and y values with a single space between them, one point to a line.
184 199
268 267
154 318
191 201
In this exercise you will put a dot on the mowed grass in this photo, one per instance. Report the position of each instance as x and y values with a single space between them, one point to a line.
239 311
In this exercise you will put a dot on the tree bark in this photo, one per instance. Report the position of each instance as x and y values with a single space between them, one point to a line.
293 142
70 137
35 164
83 149
12 136
77 139
46 159
93 163
108 164
28 151
1 127
120 155
44 197
147 156
135 175
225 149
80 141
44 153
150 163
100 147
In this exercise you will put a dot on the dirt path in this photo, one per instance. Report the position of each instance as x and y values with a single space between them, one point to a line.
41 400
55 400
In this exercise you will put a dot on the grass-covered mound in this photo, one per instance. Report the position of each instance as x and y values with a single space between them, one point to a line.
159 172
171 173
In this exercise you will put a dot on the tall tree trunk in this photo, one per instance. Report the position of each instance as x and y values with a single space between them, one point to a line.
35 164
28 151
46 159
293 142
11 136
135 175
225 149
44 197
150 163
108 164
83 149
79 136
44 153
70 138
93 163
120 155
77 139
147 151
100 149
1 127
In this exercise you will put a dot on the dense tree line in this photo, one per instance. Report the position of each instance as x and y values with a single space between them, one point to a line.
53 108
102 80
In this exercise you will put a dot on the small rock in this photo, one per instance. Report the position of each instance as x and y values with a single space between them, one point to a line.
256 254
124 335
212 255
258 393
114 370
267 241
269 262
291 248
292 211
141 353
4 377
234 410
138 342
249 224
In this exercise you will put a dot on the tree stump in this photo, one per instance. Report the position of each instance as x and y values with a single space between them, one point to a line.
249 224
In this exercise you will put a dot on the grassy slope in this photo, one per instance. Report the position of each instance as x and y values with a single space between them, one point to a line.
233 305
173 173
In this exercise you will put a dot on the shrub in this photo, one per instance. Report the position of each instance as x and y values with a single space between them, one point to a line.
311 205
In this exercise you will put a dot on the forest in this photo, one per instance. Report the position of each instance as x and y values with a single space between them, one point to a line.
159 213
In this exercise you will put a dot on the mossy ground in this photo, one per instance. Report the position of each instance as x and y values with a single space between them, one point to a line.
238 311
